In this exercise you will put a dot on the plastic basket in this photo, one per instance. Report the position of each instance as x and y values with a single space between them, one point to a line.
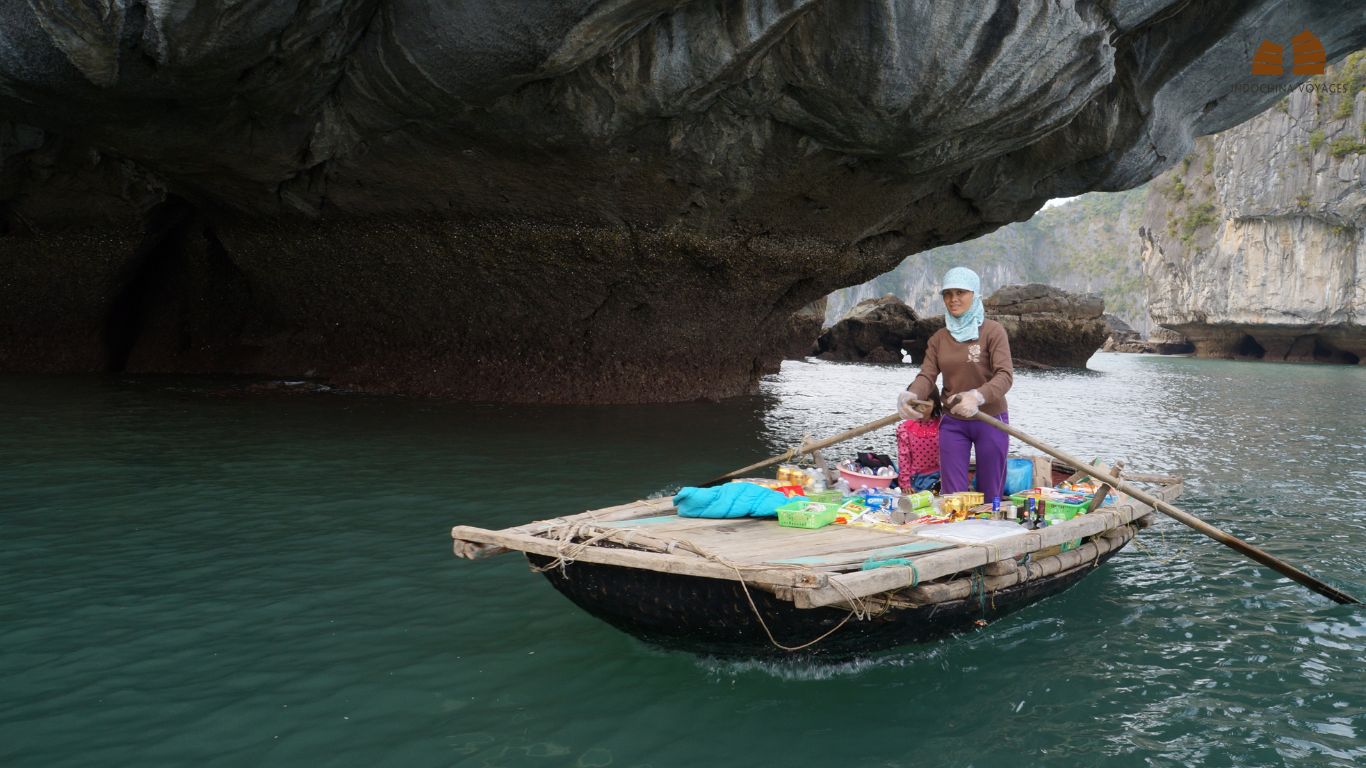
859 480
806 514
1056 510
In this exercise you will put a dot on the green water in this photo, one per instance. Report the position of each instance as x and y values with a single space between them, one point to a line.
197 574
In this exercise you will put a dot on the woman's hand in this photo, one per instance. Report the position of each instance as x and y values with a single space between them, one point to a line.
965 405
906 408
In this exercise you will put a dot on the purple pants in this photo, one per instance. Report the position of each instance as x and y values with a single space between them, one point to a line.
956 437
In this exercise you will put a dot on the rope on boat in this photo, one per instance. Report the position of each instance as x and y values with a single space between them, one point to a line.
1162 535
979 588
857 607
566 549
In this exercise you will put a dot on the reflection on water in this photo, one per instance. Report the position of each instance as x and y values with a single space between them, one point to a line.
200 575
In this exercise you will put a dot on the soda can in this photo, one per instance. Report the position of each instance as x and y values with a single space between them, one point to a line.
920 499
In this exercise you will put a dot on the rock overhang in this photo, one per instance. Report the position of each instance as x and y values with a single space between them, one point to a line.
622 200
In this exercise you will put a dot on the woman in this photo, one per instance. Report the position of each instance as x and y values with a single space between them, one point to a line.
973 354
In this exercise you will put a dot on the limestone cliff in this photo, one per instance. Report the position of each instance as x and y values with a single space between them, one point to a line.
607 200
1087 245
1253 245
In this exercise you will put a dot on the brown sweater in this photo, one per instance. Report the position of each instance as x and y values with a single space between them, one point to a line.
982 364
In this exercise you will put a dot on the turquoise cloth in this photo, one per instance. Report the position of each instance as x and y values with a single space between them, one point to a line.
729 500
965 328
963 279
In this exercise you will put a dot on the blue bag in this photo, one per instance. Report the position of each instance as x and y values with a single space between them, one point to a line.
924 482
1019 475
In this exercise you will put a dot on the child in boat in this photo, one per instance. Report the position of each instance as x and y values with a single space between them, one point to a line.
917 447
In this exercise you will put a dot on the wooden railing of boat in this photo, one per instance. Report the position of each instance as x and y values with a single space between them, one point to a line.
824 567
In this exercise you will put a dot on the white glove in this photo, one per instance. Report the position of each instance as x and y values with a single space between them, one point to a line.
905 406
966 407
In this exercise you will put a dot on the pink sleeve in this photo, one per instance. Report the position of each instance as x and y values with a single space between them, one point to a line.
904 436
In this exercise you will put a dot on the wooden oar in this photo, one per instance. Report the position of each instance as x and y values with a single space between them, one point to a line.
810 447
1223 537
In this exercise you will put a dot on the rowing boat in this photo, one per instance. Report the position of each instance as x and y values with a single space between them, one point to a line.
750 587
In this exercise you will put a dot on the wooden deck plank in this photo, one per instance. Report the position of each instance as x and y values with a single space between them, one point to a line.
857 558
766 542
620 512
659 524
853 540
753 541
756 541
688 565
730 531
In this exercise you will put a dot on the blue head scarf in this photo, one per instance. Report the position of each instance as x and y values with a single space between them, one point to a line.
965 328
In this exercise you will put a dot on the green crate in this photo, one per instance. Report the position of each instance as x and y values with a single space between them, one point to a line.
1056 509
1060 511
806 514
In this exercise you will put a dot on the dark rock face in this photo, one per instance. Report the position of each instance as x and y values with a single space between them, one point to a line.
1163 341
1048 325
580 201
1132 345
1121 338
871 332
1038 299
1279 343
1048 328
804 330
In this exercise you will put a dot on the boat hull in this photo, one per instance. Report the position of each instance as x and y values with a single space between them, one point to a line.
714 617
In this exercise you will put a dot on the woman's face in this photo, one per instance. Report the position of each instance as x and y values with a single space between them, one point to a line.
957 301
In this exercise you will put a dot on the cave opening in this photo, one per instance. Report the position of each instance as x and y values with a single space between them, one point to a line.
145 273
1327 353
1248 347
